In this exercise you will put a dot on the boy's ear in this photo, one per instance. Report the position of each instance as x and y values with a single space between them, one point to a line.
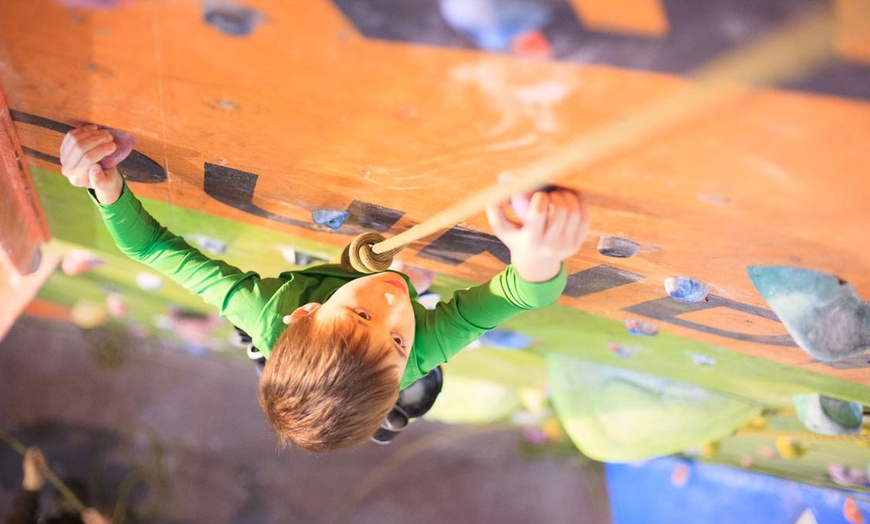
301 312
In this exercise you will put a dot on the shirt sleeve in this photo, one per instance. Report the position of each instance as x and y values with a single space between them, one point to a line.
239 296
24 508
454 324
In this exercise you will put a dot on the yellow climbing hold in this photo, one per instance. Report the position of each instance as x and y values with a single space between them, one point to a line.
789 449
709 450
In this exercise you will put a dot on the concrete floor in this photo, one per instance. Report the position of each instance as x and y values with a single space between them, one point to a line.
182 439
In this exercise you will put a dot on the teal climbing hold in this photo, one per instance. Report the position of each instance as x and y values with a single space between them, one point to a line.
827 415
823 314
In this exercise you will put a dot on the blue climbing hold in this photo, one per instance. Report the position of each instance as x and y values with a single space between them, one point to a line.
504 339
230 18
617 247
493 25
331 218
685 289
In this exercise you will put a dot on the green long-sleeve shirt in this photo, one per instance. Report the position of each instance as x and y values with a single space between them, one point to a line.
257 305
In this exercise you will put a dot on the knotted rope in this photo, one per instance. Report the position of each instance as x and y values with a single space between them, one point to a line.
793 49
359 256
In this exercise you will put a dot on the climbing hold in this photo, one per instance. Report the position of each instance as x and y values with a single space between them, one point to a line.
843 475
852 513
212 245
149 281
686 289
493 25
231 19
824 315
788 448
532 44
88 315
827 415
708 450
680 475
504 339
703 360
332 218
359 256
767 453
623 350
746 461
94 4
300 258
617 247
640 327
124 143
78 261
757 423
116 305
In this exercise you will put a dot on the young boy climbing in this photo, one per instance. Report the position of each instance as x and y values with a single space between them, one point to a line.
339 346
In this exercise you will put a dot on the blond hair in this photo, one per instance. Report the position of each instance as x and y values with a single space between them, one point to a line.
325 388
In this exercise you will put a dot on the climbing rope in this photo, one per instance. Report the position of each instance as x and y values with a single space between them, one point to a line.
795 48
360 255
58 484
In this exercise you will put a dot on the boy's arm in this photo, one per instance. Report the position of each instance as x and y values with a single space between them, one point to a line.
553 229
240 297
454 324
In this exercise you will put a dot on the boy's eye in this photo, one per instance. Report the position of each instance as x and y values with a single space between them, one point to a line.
398 340
362 313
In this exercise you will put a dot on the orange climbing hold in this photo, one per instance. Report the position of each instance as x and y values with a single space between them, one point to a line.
852 513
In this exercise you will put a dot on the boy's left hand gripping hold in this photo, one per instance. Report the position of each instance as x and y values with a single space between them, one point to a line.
80 154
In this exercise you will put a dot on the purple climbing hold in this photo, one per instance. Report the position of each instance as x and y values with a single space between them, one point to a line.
95 4
125 143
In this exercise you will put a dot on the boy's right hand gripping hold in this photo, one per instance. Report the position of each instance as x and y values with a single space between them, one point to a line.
553 230
80 154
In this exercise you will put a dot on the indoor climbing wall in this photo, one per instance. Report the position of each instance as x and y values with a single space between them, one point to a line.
323 119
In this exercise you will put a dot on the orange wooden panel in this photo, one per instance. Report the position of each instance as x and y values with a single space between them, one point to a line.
22 223
639 17
321 116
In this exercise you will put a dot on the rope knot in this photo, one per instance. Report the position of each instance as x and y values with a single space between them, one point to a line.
359 257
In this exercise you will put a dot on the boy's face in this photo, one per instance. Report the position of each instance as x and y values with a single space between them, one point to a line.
379 303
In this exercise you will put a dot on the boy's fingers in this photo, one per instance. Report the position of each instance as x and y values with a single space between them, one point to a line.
98 153
536 219
39 459
77 136
498 220
520 204
560 211
580 223
85 142
572 206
